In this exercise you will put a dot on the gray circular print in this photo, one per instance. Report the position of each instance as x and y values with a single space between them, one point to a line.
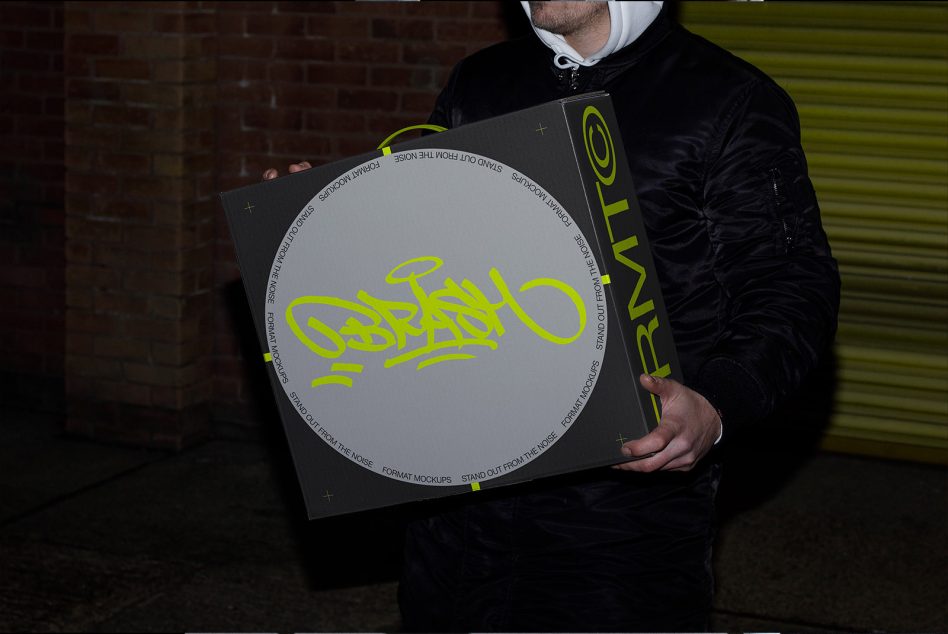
436 317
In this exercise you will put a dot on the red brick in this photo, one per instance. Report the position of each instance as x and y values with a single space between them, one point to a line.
38 126
169 165
92 44
433 54
402 77
84 321
152 239
232 6
11 39
122 68
92 89
153 188
275 24
402 29
304 49
440 9
43 172
152 282
421 102
287 71
273 118
122 392
367 99
121 115
24 15
174 353
299 144
120 303
78 252
115 258
245 46
168 119
166 307
159 375
497 10
242 70
185 23
375 8
153 47
79 343
93 367
153 94
123 348
91 183
250 94
122 21
336 74
77 20
23 276
123 163
78 66
245 142
40 300
44 40
20 104
354 146
50 84
472 31
94 276
317 6
369 51
126 210
93 230
25 61
302 96
337 26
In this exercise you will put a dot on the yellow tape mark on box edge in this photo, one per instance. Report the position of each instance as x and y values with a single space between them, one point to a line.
475 486
606 280
267 357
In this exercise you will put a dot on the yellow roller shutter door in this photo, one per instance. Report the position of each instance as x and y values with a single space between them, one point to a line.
870 81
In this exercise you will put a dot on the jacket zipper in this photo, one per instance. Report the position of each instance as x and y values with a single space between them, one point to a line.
775 181
571 80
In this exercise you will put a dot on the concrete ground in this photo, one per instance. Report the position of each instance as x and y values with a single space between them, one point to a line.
213 539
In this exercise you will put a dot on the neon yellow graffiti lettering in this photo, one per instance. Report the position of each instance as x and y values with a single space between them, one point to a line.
439 325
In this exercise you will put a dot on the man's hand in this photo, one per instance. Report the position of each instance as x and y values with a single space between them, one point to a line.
272 173
689 428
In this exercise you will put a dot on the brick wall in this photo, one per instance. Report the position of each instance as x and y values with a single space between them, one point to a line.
121 122
140 211
31 205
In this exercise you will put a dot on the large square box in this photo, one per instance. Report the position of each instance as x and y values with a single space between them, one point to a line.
461 311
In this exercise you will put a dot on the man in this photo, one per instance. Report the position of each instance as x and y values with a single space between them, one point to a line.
752 294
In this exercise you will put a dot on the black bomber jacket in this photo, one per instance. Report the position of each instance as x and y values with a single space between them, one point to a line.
750 285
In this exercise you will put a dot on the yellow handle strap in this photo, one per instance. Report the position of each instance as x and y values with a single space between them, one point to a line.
421 126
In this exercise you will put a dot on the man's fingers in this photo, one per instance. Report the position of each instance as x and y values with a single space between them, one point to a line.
656 440
658 386
674 456
299 167
272 173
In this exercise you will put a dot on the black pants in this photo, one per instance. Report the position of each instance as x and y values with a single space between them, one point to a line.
612 552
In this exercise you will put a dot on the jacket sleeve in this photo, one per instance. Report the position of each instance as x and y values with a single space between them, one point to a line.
445 112
771 259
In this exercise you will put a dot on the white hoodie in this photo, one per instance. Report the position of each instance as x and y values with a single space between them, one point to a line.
628 21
